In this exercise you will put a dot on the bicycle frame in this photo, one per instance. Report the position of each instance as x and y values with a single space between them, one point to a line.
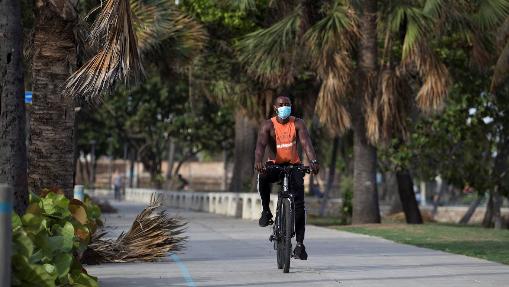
283 194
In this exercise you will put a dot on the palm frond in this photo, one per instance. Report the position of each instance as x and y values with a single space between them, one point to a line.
371 108
501 71
447 12
491 13
152 236
336 84
436 79
119 59
336 32
158 20
415 22
329 43
417 53
270 54
394 105
330 106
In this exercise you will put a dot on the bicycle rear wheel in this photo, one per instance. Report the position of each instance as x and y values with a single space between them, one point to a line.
286 234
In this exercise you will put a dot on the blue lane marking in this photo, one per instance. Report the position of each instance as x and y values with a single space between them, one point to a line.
5 207
183 270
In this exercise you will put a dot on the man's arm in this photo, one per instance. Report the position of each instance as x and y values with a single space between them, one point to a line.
306 143
261 143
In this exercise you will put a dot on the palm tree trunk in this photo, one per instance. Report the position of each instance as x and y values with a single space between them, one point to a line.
13 153
407 197
245 143
365 197
52 126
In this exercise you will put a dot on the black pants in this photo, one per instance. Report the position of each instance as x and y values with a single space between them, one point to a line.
265 181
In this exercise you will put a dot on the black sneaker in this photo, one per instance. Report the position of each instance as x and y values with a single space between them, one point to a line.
300 252
265 219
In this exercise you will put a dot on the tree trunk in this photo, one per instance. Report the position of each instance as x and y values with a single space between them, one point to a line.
13 152
132 163
500 171
497 216
441 187
392 192
243 163
492 217
488 214
471 210
365 196
171 158
225 170
407 196
52 126
332 174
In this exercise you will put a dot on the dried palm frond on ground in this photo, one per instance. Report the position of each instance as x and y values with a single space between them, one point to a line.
152 236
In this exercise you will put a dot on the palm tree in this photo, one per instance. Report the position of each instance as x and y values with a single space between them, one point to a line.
121 33
365 196
385 85
51 154
13 156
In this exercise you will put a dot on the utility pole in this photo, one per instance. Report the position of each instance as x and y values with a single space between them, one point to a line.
5 234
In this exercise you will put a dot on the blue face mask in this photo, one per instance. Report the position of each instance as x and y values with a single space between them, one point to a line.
284 112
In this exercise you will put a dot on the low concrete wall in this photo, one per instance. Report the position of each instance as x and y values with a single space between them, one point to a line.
242 205
248 205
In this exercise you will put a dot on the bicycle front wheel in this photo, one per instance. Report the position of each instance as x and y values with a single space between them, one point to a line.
279 246
286 234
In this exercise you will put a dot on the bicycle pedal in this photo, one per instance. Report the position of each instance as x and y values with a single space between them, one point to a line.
272 237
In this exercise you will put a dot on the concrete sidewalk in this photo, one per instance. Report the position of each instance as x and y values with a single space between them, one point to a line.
225 251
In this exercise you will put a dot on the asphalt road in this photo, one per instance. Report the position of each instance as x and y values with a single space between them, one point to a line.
225 251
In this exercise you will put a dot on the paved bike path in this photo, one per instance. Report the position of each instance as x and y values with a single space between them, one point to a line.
225 251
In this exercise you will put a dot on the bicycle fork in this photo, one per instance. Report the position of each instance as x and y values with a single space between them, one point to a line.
286 195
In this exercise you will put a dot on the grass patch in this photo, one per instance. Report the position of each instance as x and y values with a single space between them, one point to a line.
472 241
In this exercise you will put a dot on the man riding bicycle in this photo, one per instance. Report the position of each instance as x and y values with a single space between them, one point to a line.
280 134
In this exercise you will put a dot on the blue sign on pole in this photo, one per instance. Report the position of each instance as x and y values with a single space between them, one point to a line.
28 97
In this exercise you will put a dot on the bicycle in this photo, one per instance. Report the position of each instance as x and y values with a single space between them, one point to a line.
284 225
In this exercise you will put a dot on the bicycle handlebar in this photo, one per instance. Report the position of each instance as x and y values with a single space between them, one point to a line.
287 168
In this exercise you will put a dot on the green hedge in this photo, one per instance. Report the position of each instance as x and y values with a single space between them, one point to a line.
49 239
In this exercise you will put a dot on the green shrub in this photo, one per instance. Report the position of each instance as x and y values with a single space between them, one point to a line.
49 239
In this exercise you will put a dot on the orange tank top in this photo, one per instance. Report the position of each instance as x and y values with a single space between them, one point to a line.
286 142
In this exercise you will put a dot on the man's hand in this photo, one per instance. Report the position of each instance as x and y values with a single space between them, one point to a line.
315 167
259 166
